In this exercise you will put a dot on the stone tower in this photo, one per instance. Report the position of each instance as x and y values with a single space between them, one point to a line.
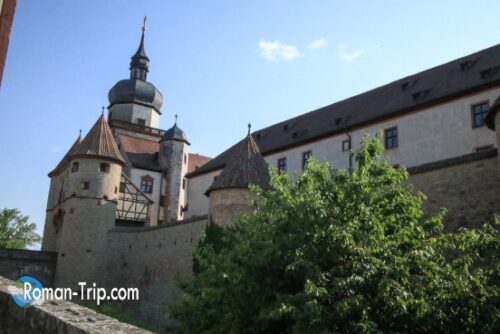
87 206
229 195
55 203
173 158
135 100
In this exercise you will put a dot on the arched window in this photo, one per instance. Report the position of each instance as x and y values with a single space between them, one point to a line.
104 167
74 167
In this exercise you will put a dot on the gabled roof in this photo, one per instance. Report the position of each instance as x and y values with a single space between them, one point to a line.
246 167
143 153
65 160
99 143
462 76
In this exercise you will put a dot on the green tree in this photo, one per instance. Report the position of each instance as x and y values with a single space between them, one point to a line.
339 252
16 231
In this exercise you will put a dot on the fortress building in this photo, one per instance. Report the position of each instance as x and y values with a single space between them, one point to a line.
128 202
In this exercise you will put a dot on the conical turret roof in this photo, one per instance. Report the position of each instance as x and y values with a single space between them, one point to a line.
99 143
65 160
245 167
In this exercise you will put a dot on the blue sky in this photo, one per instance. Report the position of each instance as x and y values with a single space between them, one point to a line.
219 65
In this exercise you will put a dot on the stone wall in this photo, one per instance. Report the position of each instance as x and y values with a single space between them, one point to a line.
467 186
62 317
152 259
15 263
226 204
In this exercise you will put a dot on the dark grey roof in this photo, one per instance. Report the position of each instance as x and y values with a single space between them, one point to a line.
135 91
245 167
451 80
175 133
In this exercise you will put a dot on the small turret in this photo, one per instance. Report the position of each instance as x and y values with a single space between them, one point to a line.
88 206
173 157
229 195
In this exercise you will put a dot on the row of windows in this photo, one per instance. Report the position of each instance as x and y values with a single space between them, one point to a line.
390 140
479 112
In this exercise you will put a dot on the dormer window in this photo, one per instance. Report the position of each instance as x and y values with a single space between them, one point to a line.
104 167
74 167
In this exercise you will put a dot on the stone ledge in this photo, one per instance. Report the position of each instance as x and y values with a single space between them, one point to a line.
159 227
24 254
489 153
63 317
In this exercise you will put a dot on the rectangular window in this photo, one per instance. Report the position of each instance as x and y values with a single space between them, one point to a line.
141 121
346 145
282 165
183 183
479 112
162 200
74 167
165 151
305 158
391 138
104 167
122 187
85 185
147 185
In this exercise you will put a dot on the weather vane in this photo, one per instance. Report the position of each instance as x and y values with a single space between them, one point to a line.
249 127
175 118
144 23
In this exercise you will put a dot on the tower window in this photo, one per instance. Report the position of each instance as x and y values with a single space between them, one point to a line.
282 165
391 138
86 185
122 187
185 158
183 183
147 184
74 167
104 167
479 112
305 158
141 121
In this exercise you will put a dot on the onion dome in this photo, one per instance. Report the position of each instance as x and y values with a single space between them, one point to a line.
99 143
65 160
245 167
175 133
137 89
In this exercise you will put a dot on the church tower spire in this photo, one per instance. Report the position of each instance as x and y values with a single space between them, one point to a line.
139 64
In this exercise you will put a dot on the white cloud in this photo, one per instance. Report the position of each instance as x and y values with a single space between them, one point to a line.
317 44
276 51
348 56
55 149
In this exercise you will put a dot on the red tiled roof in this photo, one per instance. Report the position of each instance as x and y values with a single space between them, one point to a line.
65 160
196 161
142 153
100 143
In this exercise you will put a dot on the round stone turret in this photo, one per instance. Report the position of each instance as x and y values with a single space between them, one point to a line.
229 195
87 207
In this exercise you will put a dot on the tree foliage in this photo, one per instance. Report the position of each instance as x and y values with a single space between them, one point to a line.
338 252
16 231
